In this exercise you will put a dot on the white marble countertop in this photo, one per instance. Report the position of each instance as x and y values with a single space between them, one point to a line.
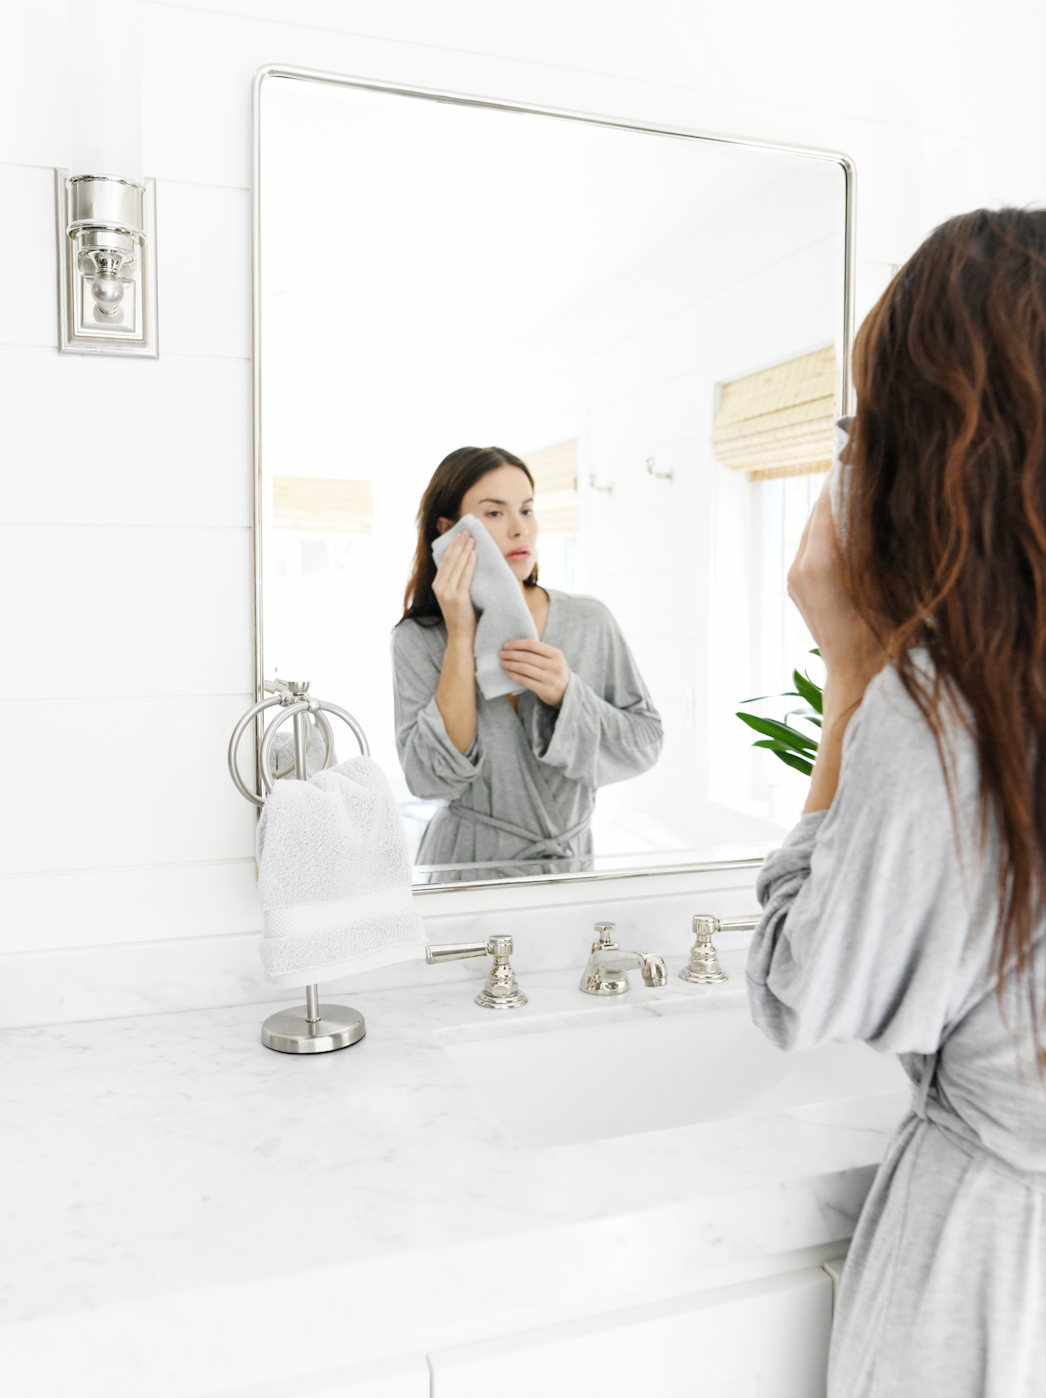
183 1210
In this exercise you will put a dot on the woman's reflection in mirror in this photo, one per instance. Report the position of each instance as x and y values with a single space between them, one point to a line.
519 773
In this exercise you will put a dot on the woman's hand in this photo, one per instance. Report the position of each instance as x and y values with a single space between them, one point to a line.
541 669
851 653
848 646
451 587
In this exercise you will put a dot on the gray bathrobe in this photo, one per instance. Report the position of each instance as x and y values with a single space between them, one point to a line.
525 789
878 926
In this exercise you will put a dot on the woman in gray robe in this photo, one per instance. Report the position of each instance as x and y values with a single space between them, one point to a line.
519 774
871 932
907 906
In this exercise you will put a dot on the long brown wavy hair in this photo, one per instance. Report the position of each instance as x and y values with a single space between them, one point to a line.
454 477
945 523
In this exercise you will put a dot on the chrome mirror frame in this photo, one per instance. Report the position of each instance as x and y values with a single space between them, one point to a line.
313 75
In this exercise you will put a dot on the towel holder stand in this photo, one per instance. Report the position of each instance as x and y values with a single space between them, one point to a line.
312 1027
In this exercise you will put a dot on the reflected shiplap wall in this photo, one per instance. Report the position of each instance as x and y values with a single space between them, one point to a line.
124 543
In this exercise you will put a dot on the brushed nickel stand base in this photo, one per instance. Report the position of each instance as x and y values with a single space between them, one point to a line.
314 1028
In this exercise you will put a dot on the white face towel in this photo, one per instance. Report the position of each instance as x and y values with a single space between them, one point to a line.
498 597
334 877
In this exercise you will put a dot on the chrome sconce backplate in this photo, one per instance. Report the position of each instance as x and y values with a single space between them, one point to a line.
106 265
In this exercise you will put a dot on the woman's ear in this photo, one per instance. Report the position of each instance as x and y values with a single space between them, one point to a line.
442 525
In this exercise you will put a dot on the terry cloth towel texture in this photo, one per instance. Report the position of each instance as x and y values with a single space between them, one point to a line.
334 877
498 597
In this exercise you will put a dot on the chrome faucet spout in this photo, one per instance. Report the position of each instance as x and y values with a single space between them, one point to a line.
604 973
654 970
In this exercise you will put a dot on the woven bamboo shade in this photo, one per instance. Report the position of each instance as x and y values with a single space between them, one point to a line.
779 422
555 487
322 506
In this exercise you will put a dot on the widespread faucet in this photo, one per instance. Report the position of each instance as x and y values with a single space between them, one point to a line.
605 972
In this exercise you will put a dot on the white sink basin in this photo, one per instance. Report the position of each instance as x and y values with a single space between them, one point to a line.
618 1070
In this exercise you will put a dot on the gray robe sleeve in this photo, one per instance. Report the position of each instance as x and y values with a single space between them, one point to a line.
432 765
872 927
607 729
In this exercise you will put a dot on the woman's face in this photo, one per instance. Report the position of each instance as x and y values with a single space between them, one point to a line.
503 500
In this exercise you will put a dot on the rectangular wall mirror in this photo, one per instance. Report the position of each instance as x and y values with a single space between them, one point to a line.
656 324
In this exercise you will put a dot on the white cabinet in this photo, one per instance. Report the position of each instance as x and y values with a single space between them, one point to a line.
764 1339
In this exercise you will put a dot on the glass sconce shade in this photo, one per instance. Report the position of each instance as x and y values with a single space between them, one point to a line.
106 207
107 226
106 89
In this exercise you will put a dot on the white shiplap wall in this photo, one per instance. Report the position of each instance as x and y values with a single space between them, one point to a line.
124 515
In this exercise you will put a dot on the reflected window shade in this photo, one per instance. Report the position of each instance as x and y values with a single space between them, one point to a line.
779 422
322 506
555 487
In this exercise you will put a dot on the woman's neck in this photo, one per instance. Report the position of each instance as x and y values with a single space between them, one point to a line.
536 599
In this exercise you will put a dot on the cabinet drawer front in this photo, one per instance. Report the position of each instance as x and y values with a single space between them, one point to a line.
767 1338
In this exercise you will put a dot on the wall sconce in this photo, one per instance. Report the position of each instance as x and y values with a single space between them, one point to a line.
106 209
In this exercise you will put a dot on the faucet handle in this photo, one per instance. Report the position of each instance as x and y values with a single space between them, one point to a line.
604 935
501 991
703 967
455 951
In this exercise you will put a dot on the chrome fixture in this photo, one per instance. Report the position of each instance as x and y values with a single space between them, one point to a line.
605 971
658 475
106 265
319 1030
501 991
106 209
605 489
314 1028
295 700
703 968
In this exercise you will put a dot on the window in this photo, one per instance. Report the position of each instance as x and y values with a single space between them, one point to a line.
555 498
777 425
778 422
784 642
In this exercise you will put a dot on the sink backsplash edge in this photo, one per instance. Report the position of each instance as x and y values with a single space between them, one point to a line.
67 985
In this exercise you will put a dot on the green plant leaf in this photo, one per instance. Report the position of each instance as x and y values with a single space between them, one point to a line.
792 759
799 763
807 715
773 728
788 694
808 690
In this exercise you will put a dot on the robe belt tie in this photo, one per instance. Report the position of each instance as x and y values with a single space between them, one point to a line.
540 846
928 1107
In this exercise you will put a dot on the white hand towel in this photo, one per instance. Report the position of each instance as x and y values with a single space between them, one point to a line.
334 877
498 597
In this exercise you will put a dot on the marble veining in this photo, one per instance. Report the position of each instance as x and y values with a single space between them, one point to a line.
184 1210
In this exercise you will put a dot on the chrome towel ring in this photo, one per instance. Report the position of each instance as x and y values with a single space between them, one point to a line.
315 1028
295 702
